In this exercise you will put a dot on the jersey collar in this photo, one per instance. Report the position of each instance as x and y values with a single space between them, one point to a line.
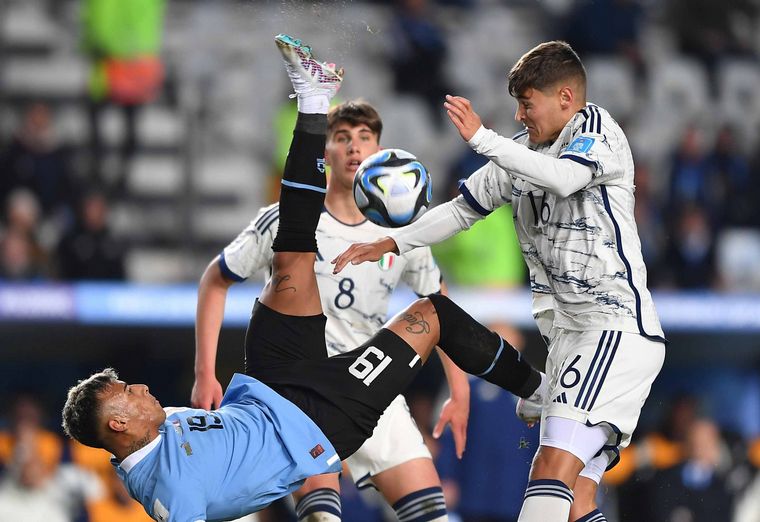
135 458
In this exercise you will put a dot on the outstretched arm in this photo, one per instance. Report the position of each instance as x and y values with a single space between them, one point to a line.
212 295
557 176
434 226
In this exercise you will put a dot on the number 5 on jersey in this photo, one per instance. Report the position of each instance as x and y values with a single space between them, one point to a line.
366 371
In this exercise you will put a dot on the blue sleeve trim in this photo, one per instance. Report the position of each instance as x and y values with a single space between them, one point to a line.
304 186
226 272
583 161
470 199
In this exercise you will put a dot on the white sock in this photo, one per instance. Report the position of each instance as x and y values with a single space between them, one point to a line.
546 500
316 103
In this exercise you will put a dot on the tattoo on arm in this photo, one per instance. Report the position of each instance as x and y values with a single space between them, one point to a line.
279 283
417 323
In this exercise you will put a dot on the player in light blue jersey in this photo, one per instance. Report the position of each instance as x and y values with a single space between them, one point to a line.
297 413
395 460
569 178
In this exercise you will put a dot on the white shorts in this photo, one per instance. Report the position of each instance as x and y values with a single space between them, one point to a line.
396 440
601 377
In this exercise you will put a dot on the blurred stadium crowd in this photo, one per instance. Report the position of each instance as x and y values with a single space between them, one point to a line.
147 183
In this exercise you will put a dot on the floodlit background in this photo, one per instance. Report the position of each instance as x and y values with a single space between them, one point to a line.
112 203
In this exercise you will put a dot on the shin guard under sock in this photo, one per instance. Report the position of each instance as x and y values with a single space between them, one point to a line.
480 352
303 186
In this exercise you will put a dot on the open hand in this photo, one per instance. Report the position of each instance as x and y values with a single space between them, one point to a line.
456 413
361 252
461 114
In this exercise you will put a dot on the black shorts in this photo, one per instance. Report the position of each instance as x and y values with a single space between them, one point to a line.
344 395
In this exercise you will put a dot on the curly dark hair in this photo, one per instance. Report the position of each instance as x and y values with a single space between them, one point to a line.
545 65
355 112
82 408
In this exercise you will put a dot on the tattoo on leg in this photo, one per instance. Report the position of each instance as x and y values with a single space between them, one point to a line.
278 282
417 323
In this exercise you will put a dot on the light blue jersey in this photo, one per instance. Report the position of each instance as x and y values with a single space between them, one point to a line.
223 464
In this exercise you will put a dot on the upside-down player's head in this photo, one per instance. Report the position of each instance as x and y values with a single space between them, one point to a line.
353 133
549 83
103 412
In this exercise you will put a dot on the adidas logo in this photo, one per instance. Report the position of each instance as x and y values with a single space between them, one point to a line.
561 398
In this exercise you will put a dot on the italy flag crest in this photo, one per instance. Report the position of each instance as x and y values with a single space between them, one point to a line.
386 262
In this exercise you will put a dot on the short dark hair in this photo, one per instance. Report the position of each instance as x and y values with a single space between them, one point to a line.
355 112
82 409
544 66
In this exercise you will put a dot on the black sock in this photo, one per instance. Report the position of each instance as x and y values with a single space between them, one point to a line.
480 352
303 186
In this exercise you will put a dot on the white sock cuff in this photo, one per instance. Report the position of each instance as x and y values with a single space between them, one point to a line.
546 500
549 488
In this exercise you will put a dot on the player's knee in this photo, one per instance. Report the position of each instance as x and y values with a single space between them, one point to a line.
554 463
423 308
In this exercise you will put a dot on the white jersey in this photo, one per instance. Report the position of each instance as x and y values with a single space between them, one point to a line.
354 301
583 250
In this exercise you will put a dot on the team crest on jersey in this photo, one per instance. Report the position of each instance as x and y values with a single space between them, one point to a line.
386 262
321 165
581 144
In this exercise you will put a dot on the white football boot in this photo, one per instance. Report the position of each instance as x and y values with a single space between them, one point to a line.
529 409
310 78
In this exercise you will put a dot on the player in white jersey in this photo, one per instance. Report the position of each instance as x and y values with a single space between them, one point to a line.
569 178
395 459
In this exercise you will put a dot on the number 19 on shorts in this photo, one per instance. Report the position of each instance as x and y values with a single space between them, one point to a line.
367 371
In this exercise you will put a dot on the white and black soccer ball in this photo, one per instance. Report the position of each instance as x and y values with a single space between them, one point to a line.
392 188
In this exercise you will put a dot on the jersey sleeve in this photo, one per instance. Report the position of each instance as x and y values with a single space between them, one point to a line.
487 189
421 272
251 250
596 145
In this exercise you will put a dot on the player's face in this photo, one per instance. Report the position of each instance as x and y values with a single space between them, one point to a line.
347 147
135 402
541 113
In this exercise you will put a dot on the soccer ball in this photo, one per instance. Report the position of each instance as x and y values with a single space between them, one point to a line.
392 188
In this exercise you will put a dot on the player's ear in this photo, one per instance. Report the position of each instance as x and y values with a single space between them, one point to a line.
566 97
117 423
